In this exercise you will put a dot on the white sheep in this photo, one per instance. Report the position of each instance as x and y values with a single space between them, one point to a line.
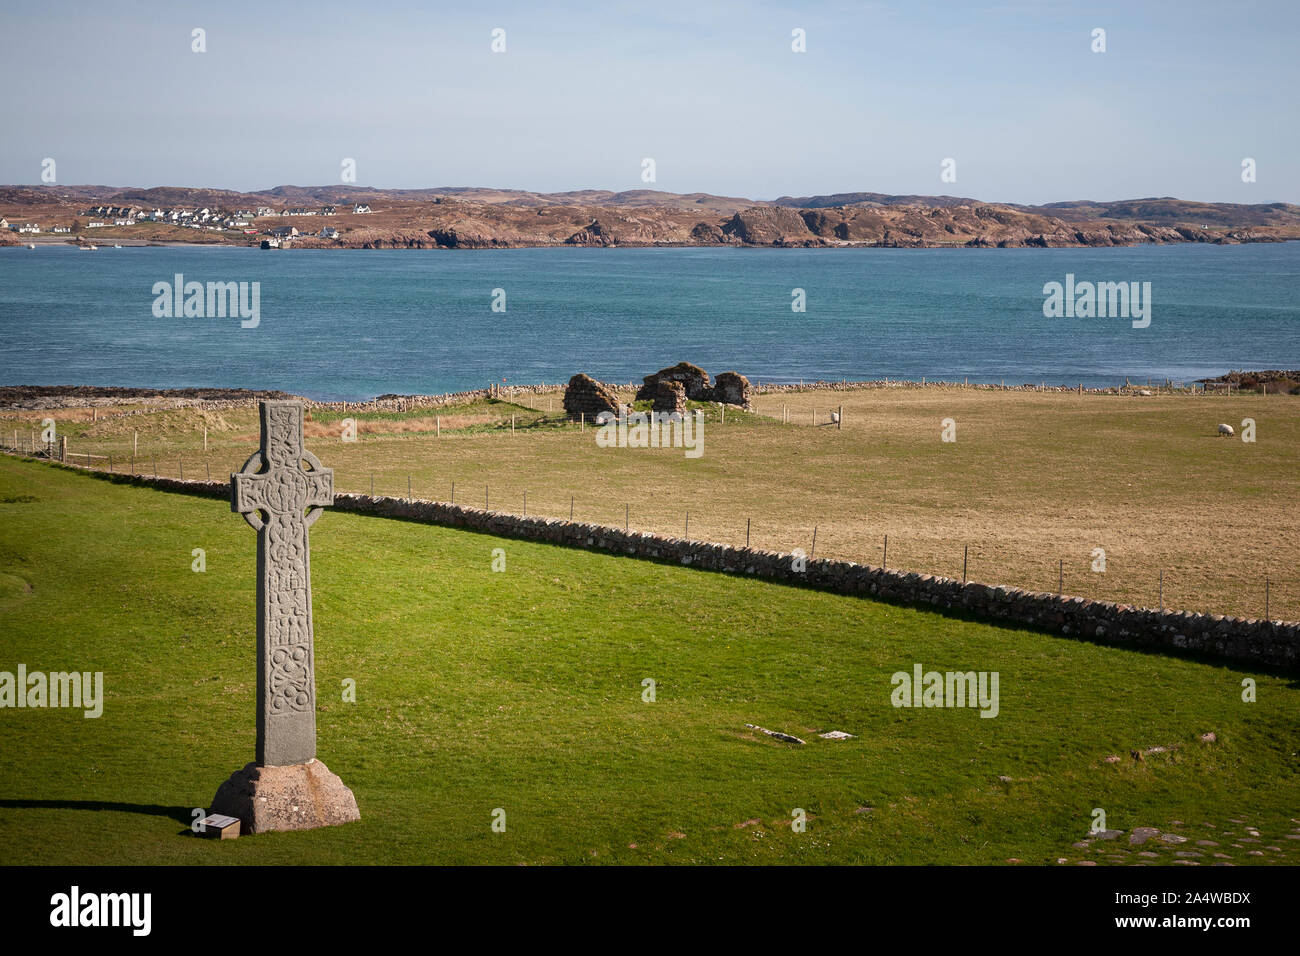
1226 431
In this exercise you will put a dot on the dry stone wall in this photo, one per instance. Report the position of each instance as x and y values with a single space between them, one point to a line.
1245 640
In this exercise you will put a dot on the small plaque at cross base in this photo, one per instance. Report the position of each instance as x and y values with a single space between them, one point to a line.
281 491
218 826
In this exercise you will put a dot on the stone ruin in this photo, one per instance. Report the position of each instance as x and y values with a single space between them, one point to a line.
732 388
586 396
668 389
670 398
692 378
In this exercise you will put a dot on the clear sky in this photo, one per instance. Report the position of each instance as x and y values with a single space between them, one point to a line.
710 90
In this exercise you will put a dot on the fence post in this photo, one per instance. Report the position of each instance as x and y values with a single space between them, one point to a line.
1162 572
814 544
63 448
884 562
438 419
372 484
688 526
525 502
1266 617
627 517
965 553
839 422
746 534
1060 580
485 498
180 468
453 492
408 486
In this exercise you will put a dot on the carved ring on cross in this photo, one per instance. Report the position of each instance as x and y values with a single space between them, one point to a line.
256 465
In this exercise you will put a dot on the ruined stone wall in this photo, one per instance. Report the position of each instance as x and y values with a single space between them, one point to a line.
732 388
692 378
585 396
670 398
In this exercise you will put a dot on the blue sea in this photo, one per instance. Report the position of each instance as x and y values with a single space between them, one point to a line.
352 324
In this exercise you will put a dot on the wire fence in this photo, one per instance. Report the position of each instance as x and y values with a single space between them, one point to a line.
1118 577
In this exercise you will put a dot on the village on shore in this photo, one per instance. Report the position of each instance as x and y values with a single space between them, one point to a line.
250 222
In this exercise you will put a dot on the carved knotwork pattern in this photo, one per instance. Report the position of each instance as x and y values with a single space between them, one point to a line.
288 615
291 689
282 493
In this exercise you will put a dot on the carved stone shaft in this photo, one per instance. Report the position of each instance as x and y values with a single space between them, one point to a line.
281 499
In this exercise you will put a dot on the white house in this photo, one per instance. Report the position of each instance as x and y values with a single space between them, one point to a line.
360 208
329 232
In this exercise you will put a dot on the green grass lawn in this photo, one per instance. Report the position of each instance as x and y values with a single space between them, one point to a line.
522 690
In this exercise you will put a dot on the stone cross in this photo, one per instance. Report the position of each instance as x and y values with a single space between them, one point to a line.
281 499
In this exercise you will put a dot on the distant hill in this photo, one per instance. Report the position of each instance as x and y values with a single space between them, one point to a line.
870 199
1168 210
486 218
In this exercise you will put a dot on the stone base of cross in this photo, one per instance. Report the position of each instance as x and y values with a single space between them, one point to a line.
286 787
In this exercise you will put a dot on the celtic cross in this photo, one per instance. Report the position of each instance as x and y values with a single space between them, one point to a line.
281 499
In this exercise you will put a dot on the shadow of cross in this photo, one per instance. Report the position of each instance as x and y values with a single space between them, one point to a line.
281 500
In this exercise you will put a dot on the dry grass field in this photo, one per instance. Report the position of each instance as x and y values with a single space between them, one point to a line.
1034 483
